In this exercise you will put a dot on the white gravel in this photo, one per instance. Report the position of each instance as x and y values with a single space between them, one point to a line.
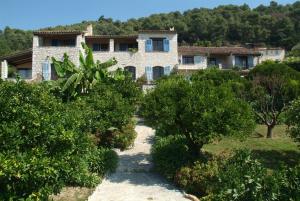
133 179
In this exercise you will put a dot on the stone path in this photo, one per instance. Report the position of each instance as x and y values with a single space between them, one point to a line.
133 179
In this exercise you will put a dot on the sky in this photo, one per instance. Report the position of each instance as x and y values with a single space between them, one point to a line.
35 14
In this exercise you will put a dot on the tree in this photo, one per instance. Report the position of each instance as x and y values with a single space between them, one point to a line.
273 87
198 110
76 80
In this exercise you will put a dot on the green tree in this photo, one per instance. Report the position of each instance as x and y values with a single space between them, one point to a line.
273 87
199 110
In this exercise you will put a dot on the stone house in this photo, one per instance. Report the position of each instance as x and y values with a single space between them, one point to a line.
150 53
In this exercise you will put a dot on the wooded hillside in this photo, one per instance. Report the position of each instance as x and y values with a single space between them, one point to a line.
273 25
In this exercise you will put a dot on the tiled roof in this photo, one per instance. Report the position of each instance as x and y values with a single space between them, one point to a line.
111 36
18 57
217 50
65 32
157 31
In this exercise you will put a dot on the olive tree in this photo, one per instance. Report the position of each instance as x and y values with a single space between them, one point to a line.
273 87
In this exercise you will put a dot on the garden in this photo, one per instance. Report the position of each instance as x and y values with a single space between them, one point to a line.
220 136
62 133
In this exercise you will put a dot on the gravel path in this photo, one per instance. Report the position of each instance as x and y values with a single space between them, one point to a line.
133 179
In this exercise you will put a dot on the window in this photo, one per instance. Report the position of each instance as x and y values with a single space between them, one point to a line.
212 61
54 75
25 73
124 47
187 60
100 47
132 71
158 44
158 72
64 42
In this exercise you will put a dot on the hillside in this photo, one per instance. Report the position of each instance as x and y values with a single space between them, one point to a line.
273 25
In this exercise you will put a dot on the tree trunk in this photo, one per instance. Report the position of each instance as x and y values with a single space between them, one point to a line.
270 131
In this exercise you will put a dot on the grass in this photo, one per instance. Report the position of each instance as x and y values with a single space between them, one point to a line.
271 152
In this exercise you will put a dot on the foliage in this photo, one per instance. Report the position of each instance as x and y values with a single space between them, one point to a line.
42 147
169 154
293 120
129 89
197 179
105 114
194 109
243 178
103 161
81 79
273 87
124 137
272 25
239 177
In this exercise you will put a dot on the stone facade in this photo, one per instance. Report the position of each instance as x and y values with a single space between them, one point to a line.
42 54
166 60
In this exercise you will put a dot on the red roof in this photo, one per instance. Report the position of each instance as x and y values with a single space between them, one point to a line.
217 50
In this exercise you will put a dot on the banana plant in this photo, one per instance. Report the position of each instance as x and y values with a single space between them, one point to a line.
82 78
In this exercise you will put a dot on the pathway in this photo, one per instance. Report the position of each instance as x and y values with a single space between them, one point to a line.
133 179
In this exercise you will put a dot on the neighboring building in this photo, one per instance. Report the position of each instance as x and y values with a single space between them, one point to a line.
152 53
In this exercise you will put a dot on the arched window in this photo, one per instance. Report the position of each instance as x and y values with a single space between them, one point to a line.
132 70
158 72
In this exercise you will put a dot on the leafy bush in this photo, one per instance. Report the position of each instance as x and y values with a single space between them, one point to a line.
239 177
198 178
42 147
199 110
129 89
293 120
169 154
124 138
103 161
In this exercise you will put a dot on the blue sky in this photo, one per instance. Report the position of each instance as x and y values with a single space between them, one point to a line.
34 14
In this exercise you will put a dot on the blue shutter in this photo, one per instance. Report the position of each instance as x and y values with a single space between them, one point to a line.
197 59
148 46
166 45
250 61
46 70
149 73
167 70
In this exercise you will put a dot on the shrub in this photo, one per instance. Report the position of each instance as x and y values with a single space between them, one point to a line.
293 120
125 137
243 178
129 89
170 154
42 148
198 178
103 161
198 110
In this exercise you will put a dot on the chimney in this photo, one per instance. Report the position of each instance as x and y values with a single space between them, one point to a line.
89 30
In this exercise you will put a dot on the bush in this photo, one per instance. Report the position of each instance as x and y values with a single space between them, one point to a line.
103 161
125 137
243 178
42 147
199 110
198 178
293 120
170 154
